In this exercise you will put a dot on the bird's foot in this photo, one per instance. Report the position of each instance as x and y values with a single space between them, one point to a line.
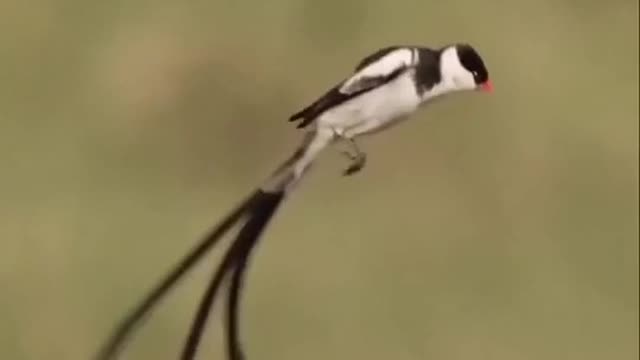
358 161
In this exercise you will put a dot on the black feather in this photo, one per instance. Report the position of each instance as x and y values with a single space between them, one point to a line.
235 261
334 97
125 328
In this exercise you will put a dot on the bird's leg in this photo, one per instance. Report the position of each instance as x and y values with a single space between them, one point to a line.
357 157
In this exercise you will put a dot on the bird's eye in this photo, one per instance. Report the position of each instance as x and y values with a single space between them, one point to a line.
475 73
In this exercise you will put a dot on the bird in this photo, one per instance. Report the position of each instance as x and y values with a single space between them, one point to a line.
385 88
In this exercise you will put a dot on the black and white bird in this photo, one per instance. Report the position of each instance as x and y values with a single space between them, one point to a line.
386 87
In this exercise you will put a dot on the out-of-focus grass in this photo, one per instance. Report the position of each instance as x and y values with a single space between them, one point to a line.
499 227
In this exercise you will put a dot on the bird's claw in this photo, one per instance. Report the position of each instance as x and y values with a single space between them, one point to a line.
357 163
350 155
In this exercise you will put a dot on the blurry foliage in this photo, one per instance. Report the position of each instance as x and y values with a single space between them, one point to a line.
499 227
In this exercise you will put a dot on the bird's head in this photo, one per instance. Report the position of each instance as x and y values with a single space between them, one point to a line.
463 68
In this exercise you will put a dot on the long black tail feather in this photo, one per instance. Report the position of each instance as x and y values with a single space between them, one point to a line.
262 217
235 262
234 344
253 214
125 328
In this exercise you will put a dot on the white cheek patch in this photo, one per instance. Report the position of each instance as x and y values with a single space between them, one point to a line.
453 71
465 80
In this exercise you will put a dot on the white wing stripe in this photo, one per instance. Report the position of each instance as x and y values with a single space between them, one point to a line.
381 67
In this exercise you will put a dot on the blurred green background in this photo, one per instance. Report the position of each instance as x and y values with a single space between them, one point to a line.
500 227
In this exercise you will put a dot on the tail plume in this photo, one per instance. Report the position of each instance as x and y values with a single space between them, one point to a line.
252 215
235 261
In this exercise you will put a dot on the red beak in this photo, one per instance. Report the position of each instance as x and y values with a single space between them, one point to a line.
487 86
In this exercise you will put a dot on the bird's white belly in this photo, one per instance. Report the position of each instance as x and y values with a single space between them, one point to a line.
373 110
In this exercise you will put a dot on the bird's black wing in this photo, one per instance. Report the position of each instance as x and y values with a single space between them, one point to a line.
371 72
330 99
